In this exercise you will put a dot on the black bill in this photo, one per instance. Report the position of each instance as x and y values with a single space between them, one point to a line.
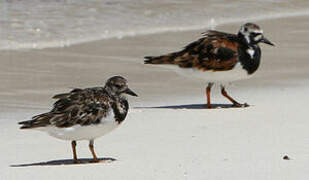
266 41
130 92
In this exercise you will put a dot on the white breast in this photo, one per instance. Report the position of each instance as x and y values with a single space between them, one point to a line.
78 132
220 77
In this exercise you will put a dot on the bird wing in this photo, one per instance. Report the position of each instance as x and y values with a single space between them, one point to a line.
215 51
80 106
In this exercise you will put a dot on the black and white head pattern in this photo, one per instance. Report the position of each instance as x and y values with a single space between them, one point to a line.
252 33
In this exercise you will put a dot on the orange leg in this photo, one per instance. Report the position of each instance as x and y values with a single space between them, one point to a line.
208 94
74 151
235 103
91 147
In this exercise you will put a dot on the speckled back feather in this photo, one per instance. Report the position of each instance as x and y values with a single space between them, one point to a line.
80 106
216 51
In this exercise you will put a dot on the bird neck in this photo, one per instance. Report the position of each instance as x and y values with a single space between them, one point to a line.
246 40
120 108
109 91
119 104
249 57
249 53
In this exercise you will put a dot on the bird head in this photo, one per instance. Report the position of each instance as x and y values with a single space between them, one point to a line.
118 85
253 34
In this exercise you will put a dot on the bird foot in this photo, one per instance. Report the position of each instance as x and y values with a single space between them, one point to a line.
95 161
76 161
209 107
238 105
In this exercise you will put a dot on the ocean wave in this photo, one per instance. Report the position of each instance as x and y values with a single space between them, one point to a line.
63 23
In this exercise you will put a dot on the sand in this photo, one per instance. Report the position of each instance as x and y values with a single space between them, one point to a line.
175 139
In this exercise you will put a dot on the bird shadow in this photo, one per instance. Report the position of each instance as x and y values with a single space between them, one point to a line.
194 106
82 161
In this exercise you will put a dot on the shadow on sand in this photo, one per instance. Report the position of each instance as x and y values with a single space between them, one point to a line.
61 162
191 106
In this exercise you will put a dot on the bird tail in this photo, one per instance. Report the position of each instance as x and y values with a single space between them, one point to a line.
164 59
40 120
27 124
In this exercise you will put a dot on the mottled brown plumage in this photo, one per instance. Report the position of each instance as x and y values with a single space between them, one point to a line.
80 106
83 107
216 51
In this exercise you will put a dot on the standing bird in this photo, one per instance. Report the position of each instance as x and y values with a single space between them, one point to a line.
219 58
85 114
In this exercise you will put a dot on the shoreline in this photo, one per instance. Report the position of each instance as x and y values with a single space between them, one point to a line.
301 14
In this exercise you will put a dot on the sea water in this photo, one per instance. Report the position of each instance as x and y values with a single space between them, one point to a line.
57 23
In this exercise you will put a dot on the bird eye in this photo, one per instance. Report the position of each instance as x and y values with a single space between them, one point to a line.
118 85
255 34
246 29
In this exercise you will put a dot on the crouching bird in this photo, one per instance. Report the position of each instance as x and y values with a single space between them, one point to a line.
218 58
85 114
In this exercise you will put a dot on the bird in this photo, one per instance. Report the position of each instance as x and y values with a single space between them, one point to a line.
85 114
218 58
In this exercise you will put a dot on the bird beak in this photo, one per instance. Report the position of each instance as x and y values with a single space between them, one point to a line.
266 41
130 92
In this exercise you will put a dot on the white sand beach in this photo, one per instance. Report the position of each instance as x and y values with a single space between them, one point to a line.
167 135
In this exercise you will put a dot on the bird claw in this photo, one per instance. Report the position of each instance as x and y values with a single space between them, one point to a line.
209 106
240 105
76 162
94 161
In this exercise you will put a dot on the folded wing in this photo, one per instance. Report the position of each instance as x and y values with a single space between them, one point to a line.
216 51
80 106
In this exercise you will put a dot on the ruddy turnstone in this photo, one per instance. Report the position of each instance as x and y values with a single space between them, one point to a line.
219 58
85 114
